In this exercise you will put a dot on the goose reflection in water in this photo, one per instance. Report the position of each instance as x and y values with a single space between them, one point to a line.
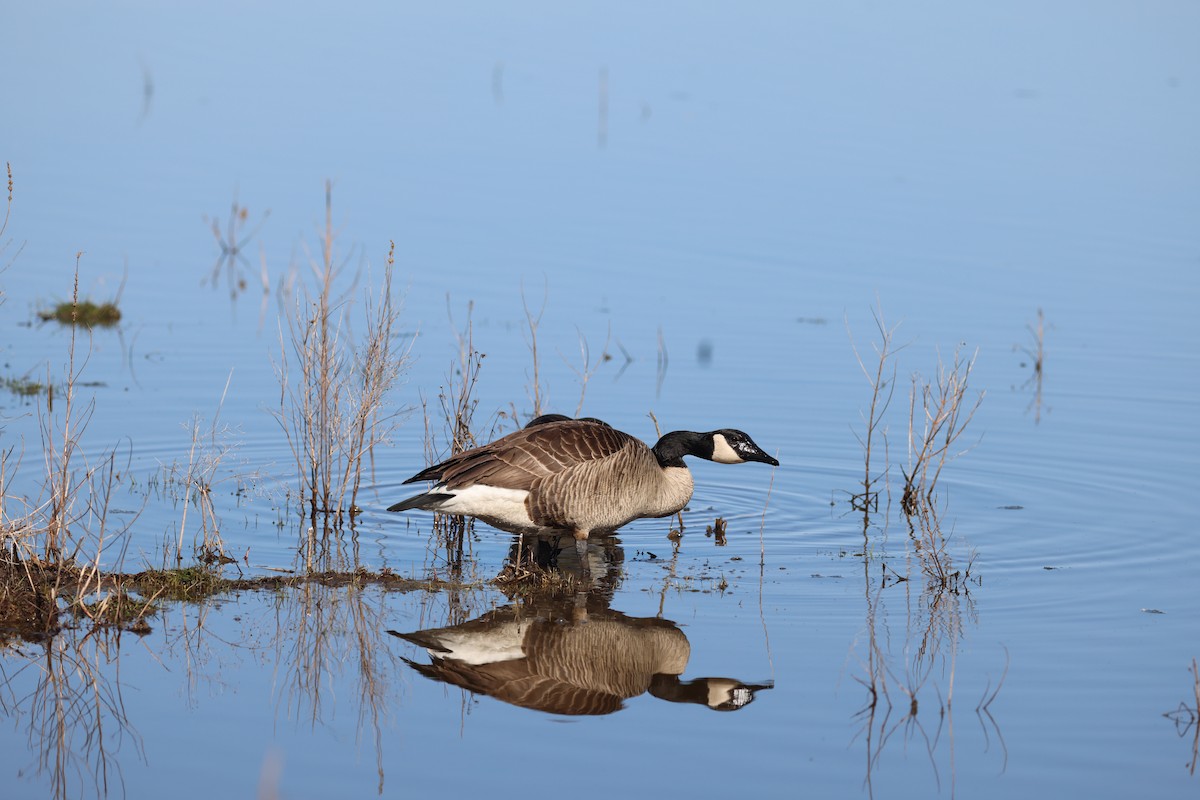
561 657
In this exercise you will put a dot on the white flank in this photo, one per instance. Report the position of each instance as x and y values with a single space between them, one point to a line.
502 643
723 453
503 505
722 691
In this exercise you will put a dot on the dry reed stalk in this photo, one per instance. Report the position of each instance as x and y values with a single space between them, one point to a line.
333 412
944 413
662 362
532 321
587 369
882 390
60 455
199 476
379 367
16 529
458 404
4 227
8 205
457 398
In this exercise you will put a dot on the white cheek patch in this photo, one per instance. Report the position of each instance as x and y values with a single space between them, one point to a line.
723 453
728 693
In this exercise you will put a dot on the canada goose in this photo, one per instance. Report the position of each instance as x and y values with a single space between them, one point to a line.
574 475
553 663
555 657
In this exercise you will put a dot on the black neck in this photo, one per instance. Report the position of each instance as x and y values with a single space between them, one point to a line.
672 447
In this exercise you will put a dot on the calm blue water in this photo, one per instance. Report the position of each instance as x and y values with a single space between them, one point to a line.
733 188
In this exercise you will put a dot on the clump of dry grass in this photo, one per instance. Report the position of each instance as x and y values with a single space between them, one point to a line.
85 312
525 577
23 386
333 405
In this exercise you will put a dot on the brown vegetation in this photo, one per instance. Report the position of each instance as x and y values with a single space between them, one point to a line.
333 399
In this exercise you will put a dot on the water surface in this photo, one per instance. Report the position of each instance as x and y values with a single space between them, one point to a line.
719 199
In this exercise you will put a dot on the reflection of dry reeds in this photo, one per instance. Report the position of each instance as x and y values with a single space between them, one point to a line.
332 410
928 655
935 425
75 713
232 240
1188 719
1037 354
933 555
324 630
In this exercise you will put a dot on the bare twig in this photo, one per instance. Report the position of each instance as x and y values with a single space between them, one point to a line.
935 425
883 386
587 367
333 412
532 321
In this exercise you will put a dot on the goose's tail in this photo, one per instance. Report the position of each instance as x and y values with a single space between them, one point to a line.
426 501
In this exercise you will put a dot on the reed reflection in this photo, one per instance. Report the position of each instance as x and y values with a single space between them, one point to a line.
561 649
66 694
903 673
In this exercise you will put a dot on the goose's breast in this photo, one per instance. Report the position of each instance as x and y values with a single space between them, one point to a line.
599 499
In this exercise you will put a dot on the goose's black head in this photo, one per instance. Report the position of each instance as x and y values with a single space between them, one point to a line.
725 446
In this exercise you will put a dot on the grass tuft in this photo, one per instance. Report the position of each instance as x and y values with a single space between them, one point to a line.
181 583
23 387
84 312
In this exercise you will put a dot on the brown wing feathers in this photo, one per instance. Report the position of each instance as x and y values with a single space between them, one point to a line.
517 460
